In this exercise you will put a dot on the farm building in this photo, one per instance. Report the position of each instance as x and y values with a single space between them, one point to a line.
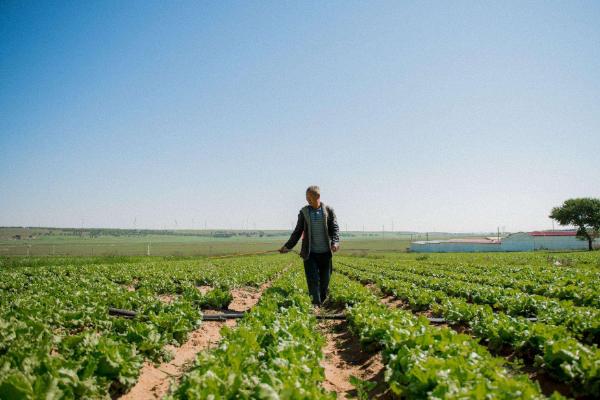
522 241
456 246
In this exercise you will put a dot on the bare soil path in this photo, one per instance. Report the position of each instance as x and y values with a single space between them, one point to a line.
343 357
154 381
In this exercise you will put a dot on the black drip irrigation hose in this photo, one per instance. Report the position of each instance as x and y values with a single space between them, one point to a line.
235 315
117 312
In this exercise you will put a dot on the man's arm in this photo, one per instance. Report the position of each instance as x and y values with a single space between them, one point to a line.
334 230
295 236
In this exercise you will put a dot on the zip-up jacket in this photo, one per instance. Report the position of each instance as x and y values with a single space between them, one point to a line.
303 226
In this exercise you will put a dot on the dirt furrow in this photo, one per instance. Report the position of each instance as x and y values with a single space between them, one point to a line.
154 381
343 358
547 383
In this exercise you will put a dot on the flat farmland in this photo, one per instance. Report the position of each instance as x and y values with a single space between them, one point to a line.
469 326
54 242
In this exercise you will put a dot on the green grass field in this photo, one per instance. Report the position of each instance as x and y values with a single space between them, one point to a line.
167 246
109 242
178 245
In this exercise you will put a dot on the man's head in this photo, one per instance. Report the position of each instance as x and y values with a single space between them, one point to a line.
313 196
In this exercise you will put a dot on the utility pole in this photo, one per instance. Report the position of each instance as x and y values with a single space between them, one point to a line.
382 231
148 249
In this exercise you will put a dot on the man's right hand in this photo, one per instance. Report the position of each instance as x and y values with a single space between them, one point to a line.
284 249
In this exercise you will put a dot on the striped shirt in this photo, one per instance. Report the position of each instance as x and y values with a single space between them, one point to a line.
318 235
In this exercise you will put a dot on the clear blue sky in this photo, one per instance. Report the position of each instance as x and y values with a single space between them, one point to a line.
454 116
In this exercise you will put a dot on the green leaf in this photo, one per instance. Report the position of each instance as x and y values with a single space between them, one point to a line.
16 386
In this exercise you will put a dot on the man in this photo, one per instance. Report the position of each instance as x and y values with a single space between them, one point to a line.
319 229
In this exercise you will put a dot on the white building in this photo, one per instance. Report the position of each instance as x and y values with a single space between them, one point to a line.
522 241
543 240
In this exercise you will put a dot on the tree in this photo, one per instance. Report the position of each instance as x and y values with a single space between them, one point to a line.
584 213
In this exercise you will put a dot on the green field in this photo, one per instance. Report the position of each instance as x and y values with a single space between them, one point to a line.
512 325
73 242
165 245
123 242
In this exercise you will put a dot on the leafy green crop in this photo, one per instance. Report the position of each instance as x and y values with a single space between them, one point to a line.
58 341
424 361
273 353
551 348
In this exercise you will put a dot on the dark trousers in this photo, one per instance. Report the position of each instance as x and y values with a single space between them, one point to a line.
318 270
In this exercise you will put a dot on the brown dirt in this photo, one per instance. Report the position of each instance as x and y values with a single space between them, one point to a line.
204 289
549 385
372 287
343 358
425 313
246 298
393 302
166 298
154 381
132 285
461 328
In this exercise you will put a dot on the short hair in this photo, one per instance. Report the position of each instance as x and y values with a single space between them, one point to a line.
315 190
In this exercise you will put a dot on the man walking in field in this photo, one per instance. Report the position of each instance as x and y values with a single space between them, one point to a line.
319 229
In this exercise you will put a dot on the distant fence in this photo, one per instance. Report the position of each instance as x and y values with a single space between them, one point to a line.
181 248
130 249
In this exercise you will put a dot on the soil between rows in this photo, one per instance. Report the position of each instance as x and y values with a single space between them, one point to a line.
343 355
343 358
154 381
547 384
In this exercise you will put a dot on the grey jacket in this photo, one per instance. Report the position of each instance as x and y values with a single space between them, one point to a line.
303 226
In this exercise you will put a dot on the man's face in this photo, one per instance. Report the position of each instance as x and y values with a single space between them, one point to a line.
312 199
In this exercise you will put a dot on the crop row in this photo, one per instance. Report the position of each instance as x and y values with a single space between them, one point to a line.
550 348
58 341
584 322
272 353
425 361
523 265
580 288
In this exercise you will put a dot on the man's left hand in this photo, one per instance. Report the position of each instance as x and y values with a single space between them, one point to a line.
335 247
